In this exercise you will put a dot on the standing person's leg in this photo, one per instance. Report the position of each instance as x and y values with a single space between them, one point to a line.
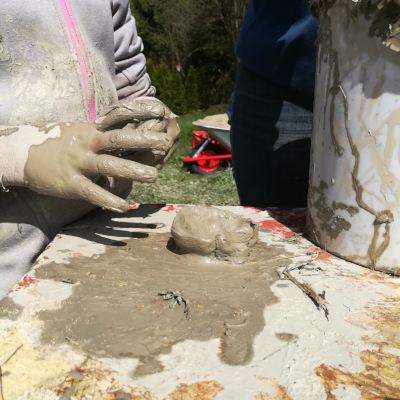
271 140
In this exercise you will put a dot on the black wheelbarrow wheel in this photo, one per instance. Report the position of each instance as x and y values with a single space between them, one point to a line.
207 167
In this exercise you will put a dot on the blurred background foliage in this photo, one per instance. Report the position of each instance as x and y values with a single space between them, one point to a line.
199 36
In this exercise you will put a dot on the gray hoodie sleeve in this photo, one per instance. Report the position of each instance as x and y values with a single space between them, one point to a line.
131 79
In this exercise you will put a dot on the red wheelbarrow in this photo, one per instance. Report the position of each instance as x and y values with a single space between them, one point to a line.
211 150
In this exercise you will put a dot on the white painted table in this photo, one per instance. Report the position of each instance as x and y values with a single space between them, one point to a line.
299 354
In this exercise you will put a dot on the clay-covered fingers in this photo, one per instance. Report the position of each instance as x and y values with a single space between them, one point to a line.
132 111
164 160
157 160
168 124
100 197
134 140
173 129
119 168
155 125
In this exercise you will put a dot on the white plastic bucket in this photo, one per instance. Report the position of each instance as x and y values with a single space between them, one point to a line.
354 195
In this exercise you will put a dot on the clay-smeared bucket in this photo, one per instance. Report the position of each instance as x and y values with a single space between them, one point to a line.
354 195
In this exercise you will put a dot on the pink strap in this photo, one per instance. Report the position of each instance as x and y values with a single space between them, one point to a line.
81 53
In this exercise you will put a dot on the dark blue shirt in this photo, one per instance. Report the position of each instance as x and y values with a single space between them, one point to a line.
277 41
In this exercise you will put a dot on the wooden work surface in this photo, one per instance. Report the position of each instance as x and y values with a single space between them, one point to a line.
298 353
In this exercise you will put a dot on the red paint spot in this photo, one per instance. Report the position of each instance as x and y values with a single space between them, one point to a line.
45 258
59 237
162 241
293 218
177 257
26 282
47 247
323 255
276 227
170 208
133 206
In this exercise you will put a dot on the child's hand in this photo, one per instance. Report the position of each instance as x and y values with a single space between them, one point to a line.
63 160
168 125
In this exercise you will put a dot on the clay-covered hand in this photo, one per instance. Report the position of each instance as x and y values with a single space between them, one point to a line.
167 125
64 159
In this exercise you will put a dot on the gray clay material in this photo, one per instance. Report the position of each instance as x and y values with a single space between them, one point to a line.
214 233
115 310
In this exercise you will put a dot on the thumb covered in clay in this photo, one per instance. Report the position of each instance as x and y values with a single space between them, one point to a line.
130 112
168 123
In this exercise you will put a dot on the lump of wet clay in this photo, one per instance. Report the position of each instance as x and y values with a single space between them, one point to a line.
210 232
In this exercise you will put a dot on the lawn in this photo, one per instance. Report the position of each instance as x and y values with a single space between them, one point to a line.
178 186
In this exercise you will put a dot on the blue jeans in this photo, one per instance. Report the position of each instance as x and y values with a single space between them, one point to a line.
271 141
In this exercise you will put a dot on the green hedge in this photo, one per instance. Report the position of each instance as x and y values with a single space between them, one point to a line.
180 95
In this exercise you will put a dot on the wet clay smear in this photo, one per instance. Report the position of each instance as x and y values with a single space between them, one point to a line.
9 310
116 311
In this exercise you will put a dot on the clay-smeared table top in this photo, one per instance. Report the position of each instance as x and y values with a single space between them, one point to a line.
93 326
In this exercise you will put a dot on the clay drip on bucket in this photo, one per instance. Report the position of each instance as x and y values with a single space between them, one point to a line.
217 234
354 196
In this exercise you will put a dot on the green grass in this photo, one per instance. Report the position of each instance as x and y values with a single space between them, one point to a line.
177 186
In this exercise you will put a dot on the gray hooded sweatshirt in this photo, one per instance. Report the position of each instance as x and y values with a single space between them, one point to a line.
60 60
